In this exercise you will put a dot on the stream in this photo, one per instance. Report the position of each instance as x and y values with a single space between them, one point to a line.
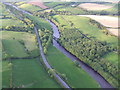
96 76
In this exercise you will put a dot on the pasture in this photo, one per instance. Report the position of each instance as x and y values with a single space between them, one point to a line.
112 57
76 77
26 73
29 73
6 73
29 7
25 42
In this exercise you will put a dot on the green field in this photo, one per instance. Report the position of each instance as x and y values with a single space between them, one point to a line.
112 56
11 22
26 73
76 77
25 42
73 10
12 50
83 24
40 23
30 73
30 8
53 4
6 73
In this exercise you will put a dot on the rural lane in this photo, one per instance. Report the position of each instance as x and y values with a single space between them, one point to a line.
96 76
41 49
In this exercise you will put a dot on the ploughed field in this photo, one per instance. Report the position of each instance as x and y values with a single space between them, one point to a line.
92 6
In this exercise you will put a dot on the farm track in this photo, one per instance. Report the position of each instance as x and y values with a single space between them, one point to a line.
41 50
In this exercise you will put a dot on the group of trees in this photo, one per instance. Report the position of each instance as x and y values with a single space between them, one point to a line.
78 12
45 37
28 24
89 51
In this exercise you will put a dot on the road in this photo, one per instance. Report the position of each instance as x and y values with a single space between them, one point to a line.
41 50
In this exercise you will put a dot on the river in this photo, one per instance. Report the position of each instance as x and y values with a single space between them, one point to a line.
96 76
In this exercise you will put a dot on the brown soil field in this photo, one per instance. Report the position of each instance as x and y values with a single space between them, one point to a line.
92 6
38 3
114 31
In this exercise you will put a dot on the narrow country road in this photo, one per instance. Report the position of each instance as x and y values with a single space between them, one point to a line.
41 49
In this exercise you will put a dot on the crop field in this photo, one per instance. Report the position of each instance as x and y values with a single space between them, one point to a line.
65 66
91 6
107 21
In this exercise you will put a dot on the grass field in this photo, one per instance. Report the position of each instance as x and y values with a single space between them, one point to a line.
6 73
53 4
30 8
73 10
29 73
12 39
112 56
83 24
41 23
76 77
114 8
26 73
12 50
10 22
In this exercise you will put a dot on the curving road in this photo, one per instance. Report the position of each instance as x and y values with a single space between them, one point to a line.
41 49
96 76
